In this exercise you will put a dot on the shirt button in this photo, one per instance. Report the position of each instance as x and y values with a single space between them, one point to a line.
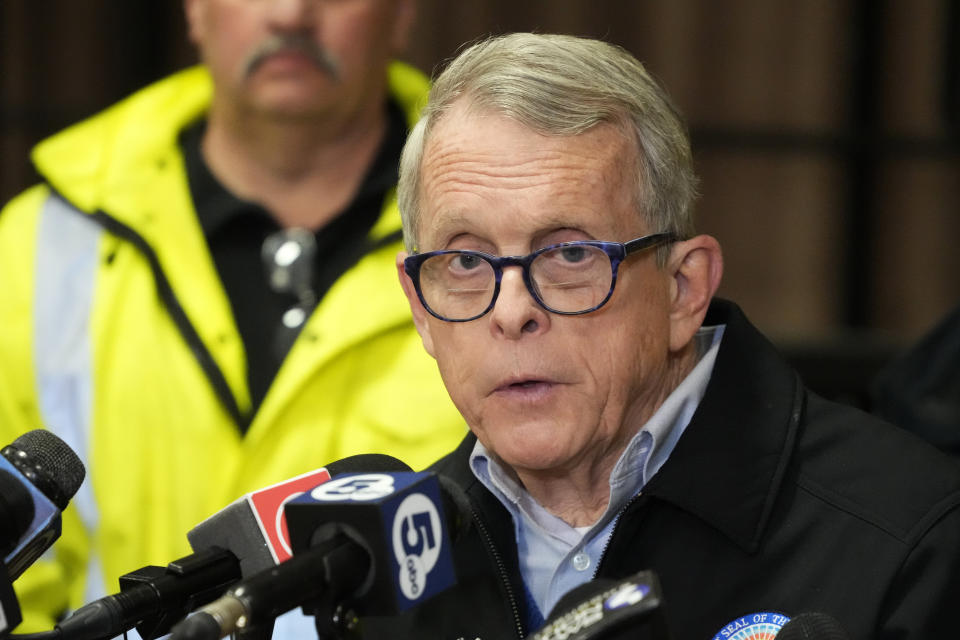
294 317
581 561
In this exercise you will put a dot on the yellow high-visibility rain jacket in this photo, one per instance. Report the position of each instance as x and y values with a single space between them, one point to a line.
117 335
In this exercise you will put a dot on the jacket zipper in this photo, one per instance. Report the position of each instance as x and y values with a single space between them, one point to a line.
179 317
606 545
501 572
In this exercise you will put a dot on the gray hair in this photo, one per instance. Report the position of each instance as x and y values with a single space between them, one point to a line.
564 85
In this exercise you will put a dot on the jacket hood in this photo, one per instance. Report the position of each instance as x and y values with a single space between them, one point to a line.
102 155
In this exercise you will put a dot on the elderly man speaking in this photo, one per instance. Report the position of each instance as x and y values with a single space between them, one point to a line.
622 419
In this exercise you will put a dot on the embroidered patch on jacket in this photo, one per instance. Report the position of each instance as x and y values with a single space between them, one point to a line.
763 625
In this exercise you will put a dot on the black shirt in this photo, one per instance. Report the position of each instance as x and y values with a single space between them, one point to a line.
236 230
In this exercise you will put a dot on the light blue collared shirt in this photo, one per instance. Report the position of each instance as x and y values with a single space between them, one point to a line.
555 557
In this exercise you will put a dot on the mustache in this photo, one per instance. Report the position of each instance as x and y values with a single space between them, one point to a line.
303 45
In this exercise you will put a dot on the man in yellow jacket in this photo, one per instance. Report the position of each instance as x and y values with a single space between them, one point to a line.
201 297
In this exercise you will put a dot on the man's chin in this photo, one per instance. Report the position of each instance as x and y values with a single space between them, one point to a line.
290 106
532 448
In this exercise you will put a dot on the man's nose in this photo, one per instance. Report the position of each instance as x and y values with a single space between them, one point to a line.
516 313
291 14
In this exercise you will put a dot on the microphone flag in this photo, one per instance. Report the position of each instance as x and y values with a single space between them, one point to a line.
397 517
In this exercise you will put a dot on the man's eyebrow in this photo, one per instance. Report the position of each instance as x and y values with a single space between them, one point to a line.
446 224
446 221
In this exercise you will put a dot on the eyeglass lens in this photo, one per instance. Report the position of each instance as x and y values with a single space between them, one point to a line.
568 279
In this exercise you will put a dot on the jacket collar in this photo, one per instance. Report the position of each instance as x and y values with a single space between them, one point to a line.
728 467
103 162
494 515
125 167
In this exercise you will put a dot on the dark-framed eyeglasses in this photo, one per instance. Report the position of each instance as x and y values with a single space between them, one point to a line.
570 278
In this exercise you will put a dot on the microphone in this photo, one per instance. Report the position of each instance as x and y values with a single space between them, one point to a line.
378 536
153 599
605 609
253 527
39 473
812 626
16 513
243 538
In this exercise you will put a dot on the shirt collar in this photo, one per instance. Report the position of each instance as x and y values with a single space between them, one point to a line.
671 419
642 458
217 207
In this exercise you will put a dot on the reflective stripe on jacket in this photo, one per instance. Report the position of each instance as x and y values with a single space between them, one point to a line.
118 336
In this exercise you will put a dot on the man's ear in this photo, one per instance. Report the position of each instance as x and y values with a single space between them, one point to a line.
193 11
421 316
696 267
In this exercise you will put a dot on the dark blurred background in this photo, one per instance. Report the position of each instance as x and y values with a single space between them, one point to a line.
825 133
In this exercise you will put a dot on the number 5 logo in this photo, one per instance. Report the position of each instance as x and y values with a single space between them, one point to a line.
416 542
415 532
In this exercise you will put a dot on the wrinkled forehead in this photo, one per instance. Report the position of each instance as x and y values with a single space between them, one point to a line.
480 163
506 142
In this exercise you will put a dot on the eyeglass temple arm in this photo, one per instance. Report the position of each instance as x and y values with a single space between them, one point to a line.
651 240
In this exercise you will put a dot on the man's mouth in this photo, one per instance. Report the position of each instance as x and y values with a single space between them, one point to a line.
524 386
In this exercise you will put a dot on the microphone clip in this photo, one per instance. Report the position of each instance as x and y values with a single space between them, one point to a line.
214 568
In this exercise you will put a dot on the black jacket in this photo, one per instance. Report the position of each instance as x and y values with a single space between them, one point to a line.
774 500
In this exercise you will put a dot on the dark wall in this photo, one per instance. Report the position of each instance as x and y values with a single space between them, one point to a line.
825 131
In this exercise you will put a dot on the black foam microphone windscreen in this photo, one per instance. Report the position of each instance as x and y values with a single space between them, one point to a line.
602 609
45 473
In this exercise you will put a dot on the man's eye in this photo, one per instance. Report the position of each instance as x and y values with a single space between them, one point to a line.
574 254
467 262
